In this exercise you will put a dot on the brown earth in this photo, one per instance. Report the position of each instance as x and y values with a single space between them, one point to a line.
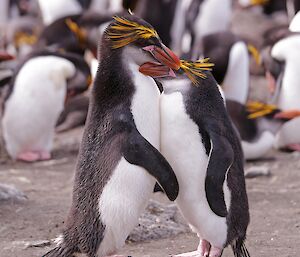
274 230
274 205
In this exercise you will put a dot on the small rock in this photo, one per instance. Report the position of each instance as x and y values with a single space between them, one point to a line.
38 243
159 221
255 171
8 192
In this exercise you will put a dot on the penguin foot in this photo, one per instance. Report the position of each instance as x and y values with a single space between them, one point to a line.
215 252
204 247
33 156
294 147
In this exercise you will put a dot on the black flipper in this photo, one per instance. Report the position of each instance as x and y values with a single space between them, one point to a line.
221 158
138 151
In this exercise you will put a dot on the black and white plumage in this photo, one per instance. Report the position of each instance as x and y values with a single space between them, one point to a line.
38 90
118 160
199 141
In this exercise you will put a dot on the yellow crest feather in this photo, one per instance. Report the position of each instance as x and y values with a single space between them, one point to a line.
124 32
194 69
259 2
257 109
79 33
24 38
255 53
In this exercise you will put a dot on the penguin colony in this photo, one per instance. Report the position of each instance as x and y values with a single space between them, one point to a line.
150 117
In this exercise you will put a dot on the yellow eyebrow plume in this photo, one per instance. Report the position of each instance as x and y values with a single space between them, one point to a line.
78 32
124 32
259 2
257 109
255 53
194 69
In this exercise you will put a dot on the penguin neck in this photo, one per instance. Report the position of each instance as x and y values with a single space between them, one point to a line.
118 74
236 81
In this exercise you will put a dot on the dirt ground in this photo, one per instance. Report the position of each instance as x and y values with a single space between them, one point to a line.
274 230
274 206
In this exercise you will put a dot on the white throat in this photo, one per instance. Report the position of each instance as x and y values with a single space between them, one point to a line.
145 102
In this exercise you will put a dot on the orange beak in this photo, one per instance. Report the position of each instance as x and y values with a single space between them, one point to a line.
167 61
287 115
156 70
5 56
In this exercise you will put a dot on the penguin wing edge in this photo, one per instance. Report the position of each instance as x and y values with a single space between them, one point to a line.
220 160
138 151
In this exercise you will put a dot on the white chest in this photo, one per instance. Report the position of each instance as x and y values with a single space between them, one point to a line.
182 146
145 106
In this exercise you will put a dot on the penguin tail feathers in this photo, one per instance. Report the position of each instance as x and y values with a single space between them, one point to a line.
239 249
54 252
59 251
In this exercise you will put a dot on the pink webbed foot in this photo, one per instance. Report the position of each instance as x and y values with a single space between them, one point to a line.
33 156
204 247
294 147
215 252
28 156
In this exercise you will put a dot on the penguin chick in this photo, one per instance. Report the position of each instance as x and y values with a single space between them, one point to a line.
38 92
200 143
118 161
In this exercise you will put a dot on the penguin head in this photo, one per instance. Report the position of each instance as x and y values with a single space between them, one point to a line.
139 43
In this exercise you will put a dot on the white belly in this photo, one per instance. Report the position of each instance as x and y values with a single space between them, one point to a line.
259 148
288 134
33 108
181 144
121 203
129 189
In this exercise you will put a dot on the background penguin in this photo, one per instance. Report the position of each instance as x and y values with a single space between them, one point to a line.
73 33
198 140
212 16
287 50
55 9
118 159
258 127
38 92
230 55
74 113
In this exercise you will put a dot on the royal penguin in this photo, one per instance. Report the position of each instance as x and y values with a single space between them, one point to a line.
37 95
118 162
212 16
295 23
230 55
200 143
74 33
286 51
257 124
55 9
